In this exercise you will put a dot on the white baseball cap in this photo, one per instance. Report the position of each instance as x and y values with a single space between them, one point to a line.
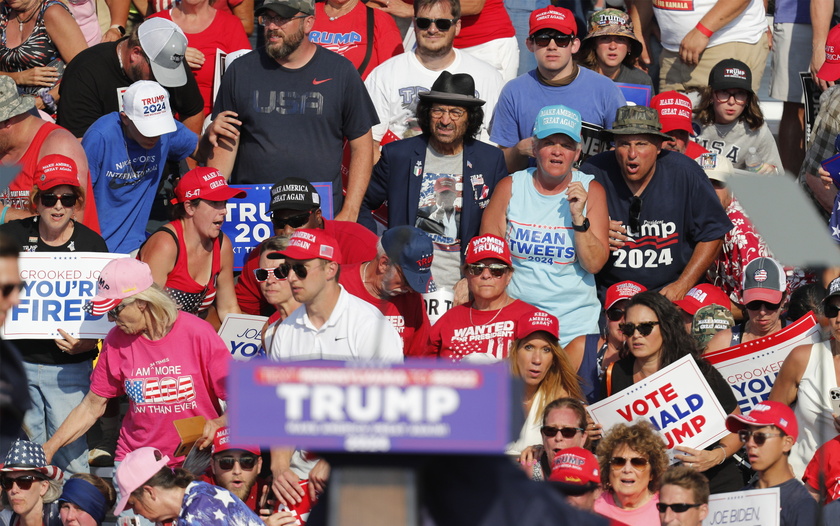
165 45
146 104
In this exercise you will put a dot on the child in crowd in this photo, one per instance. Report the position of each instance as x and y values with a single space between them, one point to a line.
611 48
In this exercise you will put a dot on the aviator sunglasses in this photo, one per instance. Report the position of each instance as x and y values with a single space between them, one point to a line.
497 270
247 462
566 432
67 200
758 438
644 328
262 274
636 463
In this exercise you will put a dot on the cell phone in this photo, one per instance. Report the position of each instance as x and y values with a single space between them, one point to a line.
832 166
834 393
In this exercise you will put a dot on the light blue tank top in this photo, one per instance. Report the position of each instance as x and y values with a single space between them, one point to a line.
547 271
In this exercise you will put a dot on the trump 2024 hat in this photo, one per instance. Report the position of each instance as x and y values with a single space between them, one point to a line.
121 278
146 104
557 119
731 74
413 251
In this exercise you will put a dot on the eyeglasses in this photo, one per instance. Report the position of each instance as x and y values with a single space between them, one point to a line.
635 214
566 432
615 314
637 463
444 24
247 462
67 200
644 328
115 312
723 95
560 40
678 508
262 274
454 113
497 270
758 438
8 288
829 309
757 304
295 221
267 20
301 271
25 482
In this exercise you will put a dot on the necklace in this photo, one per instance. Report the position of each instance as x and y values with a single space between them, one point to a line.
22 22
491 319
339 11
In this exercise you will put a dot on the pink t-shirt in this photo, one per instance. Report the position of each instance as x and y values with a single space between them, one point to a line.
179 376
643 516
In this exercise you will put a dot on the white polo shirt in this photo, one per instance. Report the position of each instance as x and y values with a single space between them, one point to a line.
356 330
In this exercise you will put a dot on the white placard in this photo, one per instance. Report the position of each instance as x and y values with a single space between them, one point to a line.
437 303
58 285
242 334
756 507
677 400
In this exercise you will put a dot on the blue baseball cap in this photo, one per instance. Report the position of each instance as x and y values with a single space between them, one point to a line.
412 250
557 119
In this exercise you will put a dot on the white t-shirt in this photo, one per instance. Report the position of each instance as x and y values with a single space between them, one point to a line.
356 330
394 85
677 17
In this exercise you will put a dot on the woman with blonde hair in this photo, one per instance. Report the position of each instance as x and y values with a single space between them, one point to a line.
30 486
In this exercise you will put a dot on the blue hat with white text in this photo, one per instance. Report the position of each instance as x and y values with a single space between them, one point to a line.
557 119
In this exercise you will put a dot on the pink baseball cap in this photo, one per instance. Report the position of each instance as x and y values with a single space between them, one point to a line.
551 17
205 183
121 278
310 243
674 111
537 321
575 471
766 413
488 246
135 469
221 442
702 295
623 290
55 170
830 70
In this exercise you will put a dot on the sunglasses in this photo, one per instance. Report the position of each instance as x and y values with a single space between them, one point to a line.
635 214
615 314
497 270
283 270
67 200
757 304
247 462
8 288
545 39
644 328
262 274
724 96
566 432
115 312
444 24
678 508
637 463
25 482
295 221
830 310
758 438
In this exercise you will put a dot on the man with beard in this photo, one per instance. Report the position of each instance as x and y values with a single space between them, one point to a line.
393 281
236 468
296 102
446 158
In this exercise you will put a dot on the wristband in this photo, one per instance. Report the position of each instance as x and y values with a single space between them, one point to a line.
704 30
3 215
724 453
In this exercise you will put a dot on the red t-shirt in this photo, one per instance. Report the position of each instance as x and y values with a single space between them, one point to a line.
347 35
826 461
491 23
406 312
464 330
357 244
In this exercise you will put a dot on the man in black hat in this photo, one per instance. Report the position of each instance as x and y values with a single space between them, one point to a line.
667 224
297 103
445 155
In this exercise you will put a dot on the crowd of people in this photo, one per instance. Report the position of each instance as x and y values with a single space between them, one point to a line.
557 179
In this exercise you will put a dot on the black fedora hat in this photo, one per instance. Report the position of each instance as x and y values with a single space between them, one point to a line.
457 90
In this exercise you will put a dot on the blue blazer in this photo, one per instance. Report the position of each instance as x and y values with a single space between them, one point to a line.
399 173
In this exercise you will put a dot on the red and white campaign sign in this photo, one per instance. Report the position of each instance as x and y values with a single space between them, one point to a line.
751 368
677 400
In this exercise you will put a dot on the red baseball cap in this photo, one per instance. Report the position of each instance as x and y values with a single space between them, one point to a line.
221 442
701 295
310 243
830 70
537 321
204 183
766 414
674 111
55 170
623 290
488 246
575 471
551 17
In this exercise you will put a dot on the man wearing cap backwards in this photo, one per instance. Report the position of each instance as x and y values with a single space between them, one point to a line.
683 497
575 474
394 280
296 204
332 324
446 165
768 433
553 40
92 84
24 140
675 114
666 226
128 151
296 102
395 85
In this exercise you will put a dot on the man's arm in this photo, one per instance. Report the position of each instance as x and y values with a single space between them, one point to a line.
471 7
821 14
77 423
361 166
516 156
244 11
695 42
118 9
641 14
704 254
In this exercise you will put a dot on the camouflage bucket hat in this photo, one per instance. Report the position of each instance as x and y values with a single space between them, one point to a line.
12 103
637 120
612 22
708 321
